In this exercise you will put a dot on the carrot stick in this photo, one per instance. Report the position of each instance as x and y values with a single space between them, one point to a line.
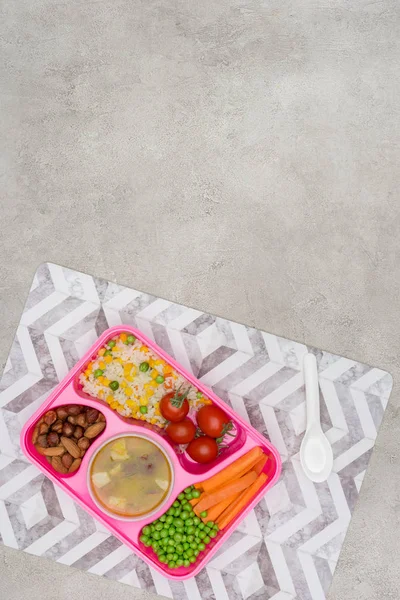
198 486
194 501
227 490
231 512
232 471
259 466
216 510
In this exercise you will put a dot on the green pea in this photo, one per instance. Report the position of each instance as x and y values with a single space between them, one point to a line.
184 538
201 526
178 537
162 558
216 527
171 542
184 515
192 559
171 530
131 339
207 540
188 522
196 552
203 514
163 518
175 557
190 538
196 493
156 535
146 530
159 526
144 366
213 533
181 496
189 496
143 410
164 533
179 548
199 395
184 502
144 539
178 523
178 511
171 564
186 563
155 546
201 546
202 535
169 517
179 562
160 379
189 552
210 524
193 545
169 556
111 343
98 372
107 353
196 520
113 385
188 489
176 503
164 542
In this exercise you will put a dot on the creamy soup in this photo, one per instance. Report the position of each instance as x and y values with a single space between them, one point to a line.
130 476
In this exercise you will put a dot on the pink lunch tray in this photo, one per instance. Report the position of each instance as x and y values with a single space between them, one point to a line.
186 471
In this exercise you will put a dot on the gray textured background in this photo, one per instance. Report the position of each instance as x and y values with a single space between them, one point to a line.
237 156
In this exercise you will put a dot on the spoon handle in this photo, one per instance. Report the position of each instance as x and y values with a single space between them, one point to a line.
312 389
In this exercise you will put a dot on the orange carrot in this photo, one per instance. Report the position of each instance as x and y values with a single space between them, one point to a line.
194 501
216 510
198 486
232 511
259 466
232 471
229 489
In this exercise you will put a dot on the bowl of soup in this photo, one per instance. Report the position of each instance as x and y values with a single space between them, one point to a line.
130 477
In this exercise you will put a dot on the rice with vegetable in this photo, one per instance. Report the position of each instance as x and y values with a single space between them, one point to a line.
132 379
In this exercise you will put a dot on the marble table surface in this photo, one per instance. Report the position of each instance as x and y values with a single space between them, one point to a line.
288 547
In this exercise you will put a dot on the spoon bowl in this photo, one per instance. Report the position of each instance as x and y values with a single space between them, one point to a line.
316 454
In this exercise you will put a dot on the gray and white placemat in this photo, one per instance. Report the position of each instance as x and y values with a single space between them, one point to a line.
288 547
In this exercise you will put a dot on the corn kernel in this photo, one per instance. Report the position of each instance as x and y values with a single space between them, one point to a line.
123 384
157 411
90 365
128 368
144 401
128 391
123 337
159 361
129 378
144 349
154 383
87 372
108 359
154 374
102 365
110 399
101 351
153 421
149 393
114 405
100 379
106 381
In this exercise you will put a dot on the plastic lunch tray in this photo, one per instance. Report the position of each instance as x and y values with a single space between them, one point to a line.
186 472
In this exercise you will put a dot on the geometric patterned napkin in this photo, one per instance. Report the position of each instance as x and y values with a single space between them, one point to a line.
288 546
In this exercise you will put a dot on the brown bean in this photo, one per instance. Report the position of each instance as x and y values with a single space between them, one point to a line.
57 464
83 443
50 417
67 460
74 409
91 415
35 435
94 430
75 465
78 433
43 428
101 418
53 438
81 420
72 419
71 447
62 413
57 427
68 429
42 441
54 451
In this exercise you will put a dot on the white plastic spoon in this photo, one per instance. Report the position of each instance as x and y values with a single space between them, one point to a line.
315 453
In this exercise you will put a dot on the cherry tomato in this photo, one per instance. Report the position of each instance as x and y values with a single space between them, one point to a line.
174 407
212 420
203 449
182 432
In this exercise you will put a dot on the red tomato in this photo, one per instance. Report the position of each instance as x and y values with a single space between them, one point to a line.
203 449
174 407
182 432
213 421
